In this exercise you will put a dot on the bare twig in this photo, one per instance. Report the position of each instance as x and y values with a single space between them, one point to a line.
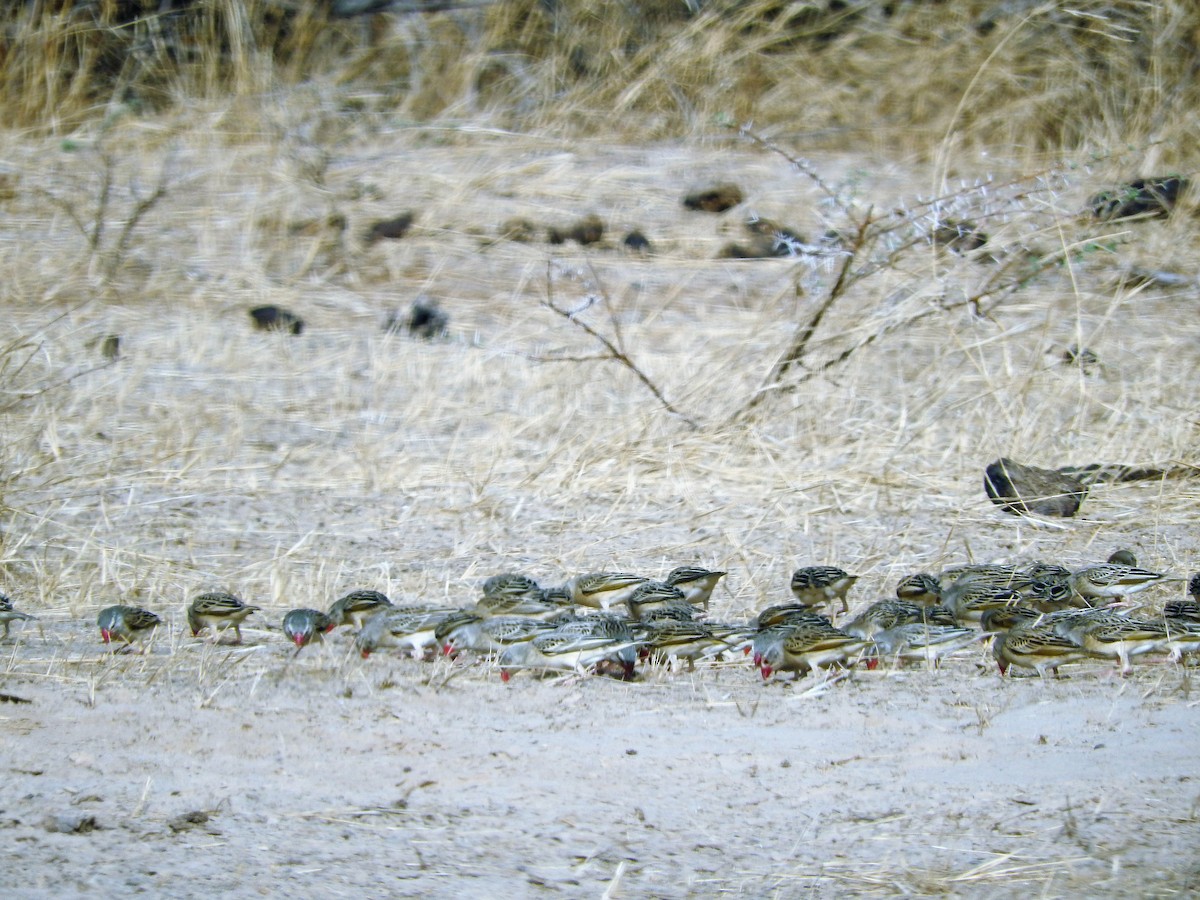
614 350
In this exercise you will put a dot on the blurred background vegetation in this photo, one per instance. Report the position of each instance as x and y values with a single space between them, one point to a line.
904 75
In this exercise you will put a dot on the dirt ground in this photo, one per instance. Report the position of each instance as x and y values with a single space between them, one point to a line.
291 469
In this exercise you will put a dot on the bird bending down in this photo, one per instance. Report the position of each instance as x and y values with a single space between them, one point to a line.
219 612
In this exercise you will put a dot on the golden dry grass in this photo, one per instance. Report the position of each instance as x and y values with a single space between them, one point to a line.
291 469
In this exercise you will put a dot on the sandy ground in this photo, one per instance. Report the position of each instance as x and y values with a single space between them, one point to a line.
290 470
396 777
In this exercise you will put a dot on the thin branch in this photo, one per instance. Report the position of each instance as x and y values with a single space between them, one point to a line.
794 355
614 352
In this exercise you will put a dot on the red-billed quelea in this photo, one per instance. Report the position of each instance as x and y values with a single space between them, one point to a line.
697 583
303 625
488 635
1114 637
928 643
968 600
411 628
510 583
126 623
219 612
802 648
9 615
670 639
920 588
1108 583
603 590
1035 646
884 614
652 595
532 604
818 585
565 650
357 607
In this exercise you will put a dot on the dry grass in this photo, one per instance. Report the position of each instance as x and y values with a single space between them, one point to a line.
963 77
290 469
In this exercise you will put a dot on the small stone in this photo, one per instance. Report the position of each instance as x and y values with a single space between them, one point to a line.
70 823
714 199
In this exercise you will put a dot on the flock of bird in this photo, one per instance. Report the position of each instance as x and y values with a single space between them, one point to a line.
1038 617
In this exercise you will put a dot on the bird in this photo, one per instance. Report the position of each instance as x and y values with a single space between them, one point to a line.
1048 596
1005 618
884 614
603 590
219 611
1044 571
669 639
818 585
1119 637
697 583
357 607
984 575
302 625
411 627
1034 646
651 595
126 623
1183 636
9 615
918 641
789 614
568 650
510 583
921 588
802 648
533 604
1194 587
1112 583
488 635
968 599
1182 610
1122 557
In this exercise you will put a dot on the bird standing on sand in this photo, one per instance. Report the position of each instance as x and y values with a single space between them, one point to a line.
219 611
802 648
1112 583
302 625
1035 646
406 627
126 623
697 583
357 607
818 585
9 615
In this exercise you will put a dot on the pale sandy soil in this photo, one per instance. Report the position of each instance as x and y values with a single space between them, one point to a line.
291 470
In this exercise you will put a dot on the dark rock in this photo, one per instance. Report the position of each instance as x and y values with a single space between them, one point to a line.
1150 197
636 242
275 318
714 199
588 230
1021 489
390 229
110 346
424 320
